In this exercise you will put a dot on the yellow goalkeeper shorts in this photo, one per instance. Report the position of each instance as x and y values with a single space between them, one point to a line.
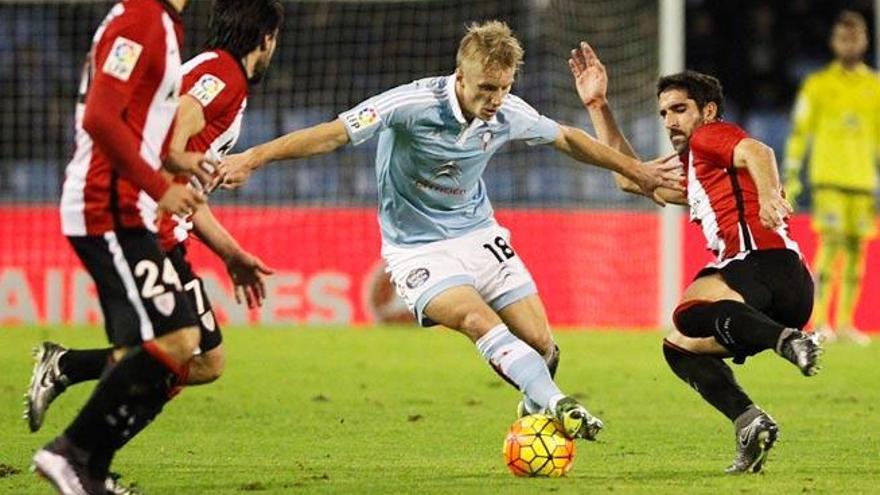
842 212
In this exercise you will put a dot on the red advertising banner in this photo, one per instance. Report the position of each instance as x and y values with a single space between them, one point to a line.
593 268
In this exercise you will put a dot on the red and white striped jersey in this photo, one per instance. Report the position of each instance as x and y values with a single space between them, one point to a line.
723 199
218 82
135 55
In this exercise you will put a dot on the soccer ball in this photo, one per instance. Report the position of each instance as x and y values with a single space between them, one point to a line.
536 445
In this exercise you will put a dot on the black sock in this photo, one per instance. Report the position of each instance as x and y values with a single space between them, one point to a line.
125 401
710 377
743 330
83 365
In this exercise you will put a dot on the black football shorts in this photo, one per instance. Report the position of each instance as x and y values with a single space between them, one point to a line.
776 282
141 294
198 298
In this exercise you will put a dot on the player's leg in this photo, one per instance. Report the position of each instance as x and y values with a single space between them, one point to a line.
503 280
695 355
860 227
210 360
462 308
698 361
850 288
711 308
527 319
828 220
207 367
57 368
153 319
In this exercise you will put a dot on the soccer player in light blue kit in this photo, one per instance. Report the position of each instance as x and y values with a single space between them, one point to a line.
448 257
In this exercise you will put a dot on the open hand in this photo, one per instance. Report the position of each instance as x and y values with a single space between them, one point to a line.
590 77
248 273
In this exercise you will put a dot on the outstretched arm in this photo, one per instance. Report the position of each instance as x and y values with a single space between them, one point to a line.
246 270
316 140
760 161
591 81
649 176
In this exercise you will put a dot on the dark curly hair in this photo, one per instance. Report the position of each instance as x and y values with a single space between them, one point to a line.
702 88
239 26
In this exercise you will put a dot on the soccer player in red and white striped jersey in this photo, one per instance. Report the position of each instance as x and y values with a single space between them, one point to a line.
758 293
214 97
127 101
114 186
215 90
213 101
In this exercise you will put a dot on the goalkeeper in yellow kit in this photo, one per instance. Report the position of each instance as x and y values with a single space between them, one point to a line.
837 115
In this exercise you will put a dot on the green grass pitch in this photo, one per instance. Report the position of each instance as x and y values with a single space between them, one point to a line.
385 410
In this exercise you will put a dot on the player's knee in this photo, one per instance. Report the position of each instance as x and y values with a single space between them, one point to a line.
476 321
181 344
215 364
689 319
677 341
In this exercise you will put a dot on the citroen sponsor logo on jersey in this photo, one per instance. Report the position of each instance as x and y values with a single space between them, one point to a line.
417 277
123 58
207 88
448 170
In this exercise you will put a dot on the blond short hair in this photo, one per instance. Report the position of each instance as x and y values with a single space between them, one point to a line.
491 44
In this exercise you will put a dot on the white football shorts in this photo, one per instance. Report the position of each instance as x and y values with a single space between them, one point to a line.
483 259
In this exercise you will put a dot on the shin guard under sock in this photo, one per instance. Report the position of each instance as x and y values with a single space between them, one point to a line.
519 364
552 360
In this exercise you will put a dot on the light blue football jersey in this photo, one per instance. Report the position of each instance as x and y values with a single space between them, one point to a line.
430 161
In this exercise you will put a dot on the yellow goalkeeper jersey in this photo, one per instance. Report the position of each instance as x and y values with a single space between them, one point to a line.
837 114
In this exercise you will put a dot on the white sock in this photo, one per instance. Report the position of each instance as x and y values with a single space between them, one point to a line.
516 361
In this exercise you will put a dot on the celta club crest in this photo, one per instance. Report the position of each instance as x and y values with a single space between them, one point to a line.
417 277
449 170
